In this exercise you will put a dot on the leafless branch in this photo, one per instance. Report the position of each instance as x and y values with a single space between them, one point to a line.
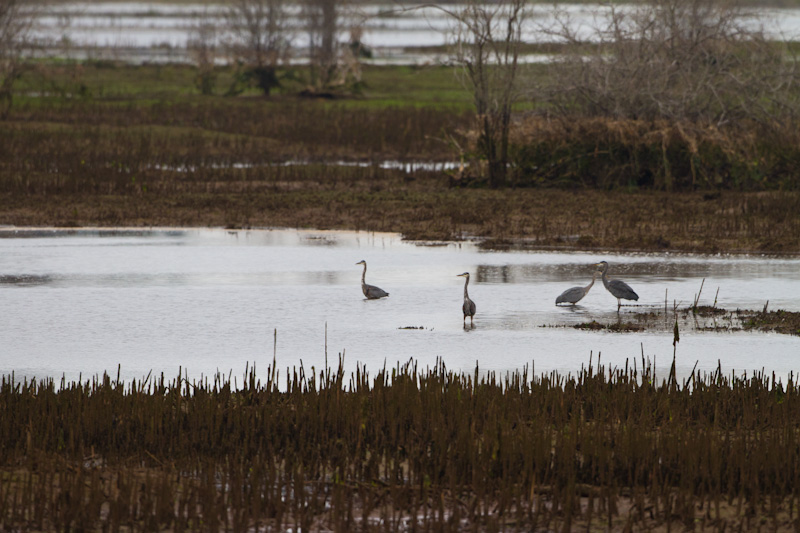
487 40
694 60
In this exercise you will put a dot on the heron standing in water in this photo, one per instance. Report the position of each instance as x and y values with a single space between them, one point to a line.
618 288
370 291
576 294
469 305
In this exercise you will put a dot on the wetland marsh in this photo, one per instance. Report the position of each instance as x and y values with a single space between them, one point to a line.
82 302
172 361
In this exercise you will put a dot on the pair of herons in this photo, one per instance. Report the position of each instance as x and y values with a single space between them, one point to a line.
373 293
618 288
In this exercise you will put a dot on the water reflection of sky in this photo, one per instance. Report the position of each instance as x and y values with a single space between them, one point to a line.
387 29
207 300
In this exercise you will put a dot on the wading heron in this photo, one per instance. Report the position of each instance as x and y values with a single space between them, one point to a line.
370 291
618 288
469 305
575 294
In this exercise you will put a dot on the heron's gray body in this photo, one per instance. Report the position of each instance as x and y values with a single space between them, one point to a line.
575 294
469 306
370 291
620 289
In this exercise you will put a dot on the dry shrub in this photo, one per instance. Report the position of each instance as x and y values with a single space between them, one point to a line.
259 39
675 95
697 60
660 154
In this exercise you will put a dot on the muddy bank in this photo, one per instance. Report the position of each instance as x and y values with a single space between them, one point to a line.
426 209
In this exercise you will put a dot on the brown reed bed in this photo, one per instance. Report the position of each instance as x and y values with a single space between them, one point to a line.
607 449
670 155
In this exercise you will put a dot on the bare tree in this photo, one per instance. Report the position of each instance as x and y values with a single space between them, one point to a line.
331 63
203 47
321 17
259 37
695 60
487 46
15 25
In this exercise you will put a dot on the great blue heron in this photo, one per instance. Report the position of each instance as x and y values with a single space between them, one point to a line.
575 294
618 288
370 291
469 305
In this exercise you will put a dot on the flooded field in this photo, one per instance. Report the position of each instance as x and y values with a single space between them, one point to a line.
158 32
84 302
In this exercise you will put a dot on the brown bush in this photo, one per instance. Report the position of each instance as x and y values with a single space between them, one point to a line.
662 154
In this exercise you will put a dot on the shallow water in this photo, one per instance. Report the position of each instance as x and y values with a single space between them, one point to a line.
155 31
210 300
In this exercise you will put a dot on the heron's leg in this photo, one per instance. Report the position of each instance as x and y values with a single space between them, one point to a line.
470 321
619 304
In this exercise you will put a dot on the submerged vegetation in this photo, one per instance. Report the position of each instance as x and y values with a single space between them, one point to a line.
608 449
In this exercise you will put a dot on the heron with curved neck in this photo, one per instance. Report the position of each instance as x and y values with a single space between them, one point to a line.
469 306
370 291
574 295
618 288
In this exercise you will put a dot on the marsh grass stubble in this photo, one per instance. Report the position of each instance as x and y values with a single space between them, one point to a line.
608 448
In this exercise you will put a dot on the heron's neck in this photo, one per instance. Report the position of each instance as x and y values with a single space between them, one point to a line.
594 277
605 277
466 282
364 274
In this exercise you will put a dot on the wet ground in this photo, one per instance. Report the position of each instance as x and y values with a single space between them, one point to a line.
84 302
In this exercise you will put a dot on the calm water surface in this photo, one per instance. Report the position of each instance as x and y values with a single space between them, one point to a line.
210 300
158 31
